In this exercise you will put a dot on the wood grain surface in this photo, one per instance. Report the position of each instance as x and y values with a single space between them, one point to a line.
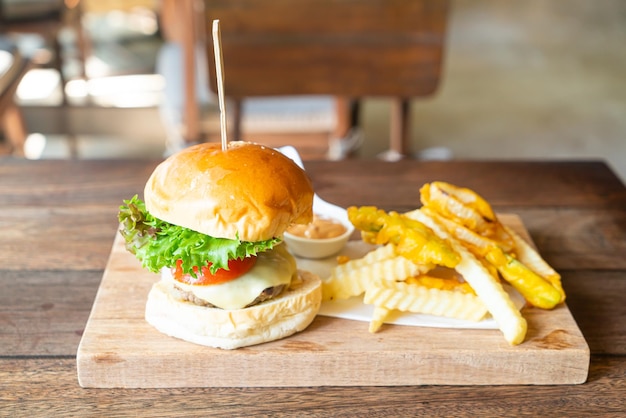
119 348
32 387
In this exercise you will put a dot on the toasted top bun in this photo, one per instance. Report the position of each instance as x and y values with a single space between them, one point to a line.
248 191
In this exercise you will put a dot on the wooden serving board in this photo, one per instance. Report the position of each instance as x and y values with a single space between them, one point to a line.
120 349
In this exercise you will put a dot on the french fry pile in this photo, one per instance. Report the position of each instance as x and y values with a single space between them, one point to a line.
447 258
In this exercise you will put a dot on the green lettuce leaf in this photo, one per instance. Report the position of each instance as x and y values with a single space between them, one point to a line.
159 244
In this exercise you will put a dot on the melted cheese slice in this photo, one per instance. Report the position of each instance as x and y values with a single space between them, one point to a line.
272 268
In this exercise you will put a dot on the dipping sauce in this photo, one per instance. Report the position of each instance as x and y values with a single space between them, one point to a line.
320 228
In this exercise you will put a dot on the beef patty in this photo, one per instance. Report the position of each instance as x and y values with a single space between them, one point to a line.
266 294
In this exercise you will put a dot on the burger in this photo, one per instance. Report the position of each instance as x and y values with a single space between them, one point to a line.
211 223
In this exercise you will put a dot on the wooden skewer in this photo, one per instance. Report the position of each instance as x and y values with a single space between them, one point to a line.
219 72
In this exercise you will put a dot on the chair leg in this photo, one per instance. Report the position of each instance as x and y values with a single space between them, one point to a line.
58 64
346 138
83 44
15 129
399 127
344 117
191 110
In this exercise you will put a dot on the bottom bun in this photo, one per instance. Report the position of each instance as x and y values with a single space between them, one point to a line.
271 320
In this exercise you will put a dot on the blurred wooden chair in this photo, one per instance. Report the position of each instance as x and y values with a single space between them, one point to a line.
46 18
189 107
342 48
13 66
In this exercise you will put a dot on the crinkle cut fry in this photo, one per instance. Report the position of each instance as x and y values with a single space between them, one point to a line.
381 253
421 299
378 318
489 290
344 284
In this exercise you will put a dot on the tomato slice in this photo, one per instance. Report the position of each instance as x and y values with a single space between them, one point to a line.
236 268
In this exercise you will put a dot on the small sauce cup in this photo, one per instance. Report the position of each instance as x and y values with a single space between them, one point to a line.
315 248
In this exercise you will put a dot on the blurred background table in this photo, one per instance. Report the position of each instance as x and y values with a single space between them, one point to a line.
58 222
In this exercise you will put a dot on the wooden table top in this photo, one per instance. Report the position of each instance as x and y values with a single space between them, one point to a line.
58 221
